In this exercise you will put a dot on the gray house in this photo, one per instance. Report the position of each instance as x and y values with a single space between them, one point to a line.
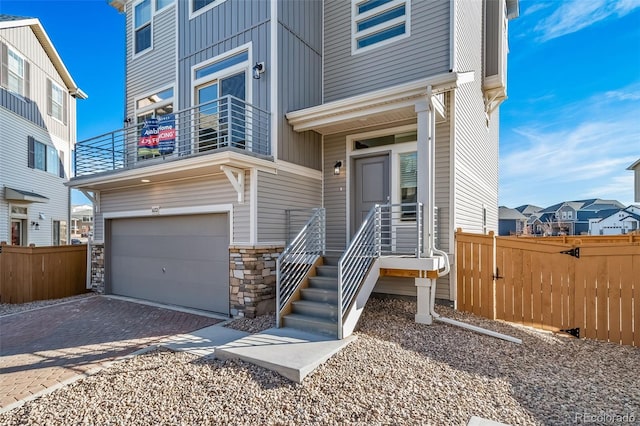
511 221
243 116
38 122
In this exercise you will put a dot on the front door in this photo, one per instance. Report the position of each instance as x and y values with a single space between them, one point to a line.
371 186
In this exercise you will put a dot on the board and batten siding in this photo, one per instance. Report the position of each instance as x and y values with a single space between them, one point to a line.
299 77
154 69
15 173
227 26
476 144
210 190
41 68
424 53
636 172
279 192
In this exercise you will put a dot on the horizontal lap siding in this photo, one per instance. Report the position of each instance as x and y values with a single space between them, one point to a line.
299 77
278 192
231 24
155 69
443 197
15 173
335 191
476 149
210 190
424 53
41 68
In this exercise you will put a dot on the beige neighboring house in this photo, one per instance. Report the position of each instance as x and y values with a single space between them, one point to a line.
38 128
81 223
636 169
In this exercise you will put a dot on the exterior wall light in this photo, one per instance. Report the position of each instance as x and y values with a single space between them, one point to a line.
258 69
336 168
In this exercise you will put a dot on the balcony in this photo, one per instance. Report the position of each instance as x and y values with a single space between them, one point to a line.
227 124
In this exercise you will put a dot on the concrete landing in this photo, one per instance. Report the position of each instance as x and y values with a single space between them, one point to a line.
292 353
479 421
203 342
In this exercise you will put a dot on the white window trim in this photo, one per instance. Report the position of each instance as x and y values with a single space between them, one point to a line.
137 111
355 18
54 84
163 8
194 14
243 66
24 59
394 151
134 29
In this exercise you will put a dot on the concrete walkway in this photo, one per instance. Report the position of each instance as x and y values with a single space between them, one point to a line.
292 353
49 347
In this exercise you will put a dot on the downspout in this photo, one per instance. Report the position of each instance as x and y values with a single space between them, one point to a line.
432 250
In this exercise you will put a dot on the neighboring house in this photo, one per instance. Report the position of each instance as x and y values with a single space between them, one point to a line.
528 209
636 171
38 122
511 221
621 222
268 107
81 222
572 217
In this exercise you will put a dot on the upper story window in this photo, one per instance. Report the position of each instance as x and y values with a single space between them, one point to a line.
45 157
56 97
155 105
161 4
15 74
201 6
221 87
142 26
378 22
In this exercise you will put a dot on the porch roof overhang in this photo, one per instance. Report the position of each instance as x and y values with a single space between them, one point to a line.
380 107
164 171
19 195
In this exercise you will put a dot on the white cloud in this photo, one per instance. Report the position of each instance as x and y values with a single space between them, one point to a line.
575 15
535 7
548 162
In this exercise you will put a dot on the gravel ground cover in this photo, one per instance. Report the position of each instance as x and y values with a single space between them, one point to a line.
396 372
8 308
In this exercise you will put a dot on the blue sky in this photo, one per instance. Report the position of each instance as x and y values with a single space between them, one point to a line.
569 130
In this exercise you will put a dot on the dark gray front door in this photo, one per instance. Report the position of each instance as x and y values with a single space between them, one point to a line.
371 186
178 260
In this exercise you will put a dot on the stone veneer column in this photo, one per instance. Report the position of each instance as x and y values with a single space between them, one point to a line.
97 268
252 279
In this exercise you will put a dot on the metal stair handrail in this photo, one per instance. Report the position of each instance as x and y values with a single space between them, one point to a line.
297 259
379 234
356 261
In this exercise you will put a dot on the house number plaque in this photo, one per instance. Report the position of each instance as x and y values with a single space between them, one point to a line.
155 210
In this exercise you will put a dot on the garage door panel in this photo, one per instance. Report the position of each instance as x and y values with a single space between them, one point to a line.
180 260
170 247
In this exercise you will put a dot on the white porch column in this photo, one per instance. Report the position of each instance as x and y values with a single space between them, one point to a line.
423 290
426 184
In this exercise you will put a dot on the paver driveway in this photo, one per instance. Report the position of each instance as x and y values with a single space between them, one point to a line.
48 346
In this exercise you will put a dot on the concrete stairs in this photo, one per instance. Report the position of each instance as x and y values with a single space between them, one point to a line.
317 309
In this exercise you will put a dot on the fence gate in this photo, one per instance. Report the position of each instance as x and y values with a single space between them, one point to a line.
588 288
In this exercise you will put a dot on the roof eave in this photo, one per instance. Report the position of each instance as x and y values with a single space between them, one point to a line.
52 53
634 165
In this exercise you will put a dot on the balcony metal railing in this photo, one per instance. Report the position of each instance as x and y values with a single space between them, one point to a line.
221 124
388 230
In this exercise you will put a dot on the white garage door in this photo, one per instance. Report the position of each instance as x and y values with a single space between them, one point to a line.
178 260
